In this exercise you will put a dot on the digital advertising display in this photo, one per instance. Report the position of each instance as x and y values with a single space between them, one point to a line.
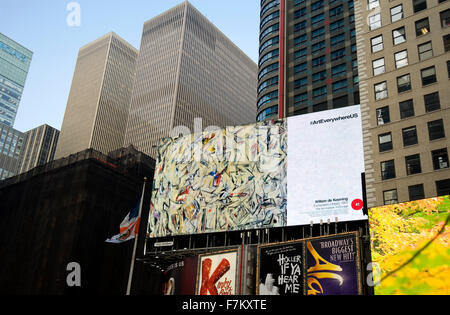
295 171
411 247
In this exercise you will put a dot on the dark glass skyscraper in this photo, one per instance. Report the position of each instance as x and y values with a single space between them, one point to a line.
14 64
308 59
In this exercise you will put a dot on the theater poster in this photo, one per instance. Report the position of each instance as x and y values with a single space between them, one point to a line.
217 273
333 265
280 269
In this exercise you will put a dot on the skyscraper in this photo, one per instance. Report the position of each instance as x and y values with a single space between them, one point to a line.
307 57
404 65
188 69
39 148
11 150
14 64
97 108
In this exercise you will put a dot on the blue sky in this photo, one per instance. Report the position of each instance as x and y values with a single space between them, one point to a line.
41 27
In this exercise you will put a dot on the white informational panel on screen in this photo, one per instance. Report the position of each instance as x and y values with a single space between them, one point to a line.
325 162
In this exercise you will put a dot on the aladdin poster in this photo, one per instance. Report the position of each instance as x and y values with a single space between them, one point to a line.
217 273
332 265
280 269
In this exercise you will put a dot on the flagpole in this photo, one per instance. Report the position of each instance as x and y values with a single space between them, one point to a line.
130 277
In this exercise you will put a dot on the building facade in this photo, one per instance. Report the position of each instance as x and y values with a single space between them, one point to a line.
187 69
308 59
97 108
404 71
14 65
39 148
11 150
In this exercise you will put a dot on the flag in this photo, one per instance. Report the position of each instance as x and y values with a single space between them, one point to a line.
129 227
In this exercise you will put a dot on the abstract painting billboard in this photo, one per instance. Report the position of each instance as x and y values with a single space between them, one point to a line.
271 174
411 247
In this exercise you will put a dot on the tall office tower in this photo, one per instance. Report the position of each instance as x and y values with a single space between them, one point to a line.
14 64
307 57
187 69
404 66
11 150
39 148
97 108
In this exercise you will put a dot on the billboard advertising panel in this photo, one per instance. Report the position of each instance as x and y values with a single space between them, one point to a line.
217 274
271 174
411 247
333 265
280 269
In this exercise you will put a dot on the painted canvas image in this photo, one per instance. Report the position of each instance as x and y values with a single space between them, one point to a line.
411 245
230 179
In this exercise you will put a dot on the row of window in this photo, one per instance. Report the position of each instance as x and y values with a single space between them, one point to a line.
428 76
413 164
432 103
416 192
409 135
397 14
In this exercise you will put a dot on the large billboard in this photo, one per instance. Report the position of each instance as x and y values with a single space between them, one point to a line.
411 247
296 171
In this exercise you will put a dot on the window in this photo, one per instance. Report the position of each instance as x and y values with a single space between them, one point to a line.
446 39
319 92
373 4
404 83
387 170
375 21
300 26
270 30
428 75
301 83
300 40
268 69
419 5
422 27
401 59
301 99
381 91
432 102
336 11
317 19
340 102
339 70
410 136
320 107
317 5
399 35
319 61
269 18
318 33
385 142
445 18
436 129
300 68
425 51
443 187
301 53
390 197
299 13
378 66
269 43
440 159
269 56
416 192
337 25
448 68
339 85
338 39
396 13
318 47
338 54
272 96
383 116
406 109
268 112
319 76
377 43
267 84
413 164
